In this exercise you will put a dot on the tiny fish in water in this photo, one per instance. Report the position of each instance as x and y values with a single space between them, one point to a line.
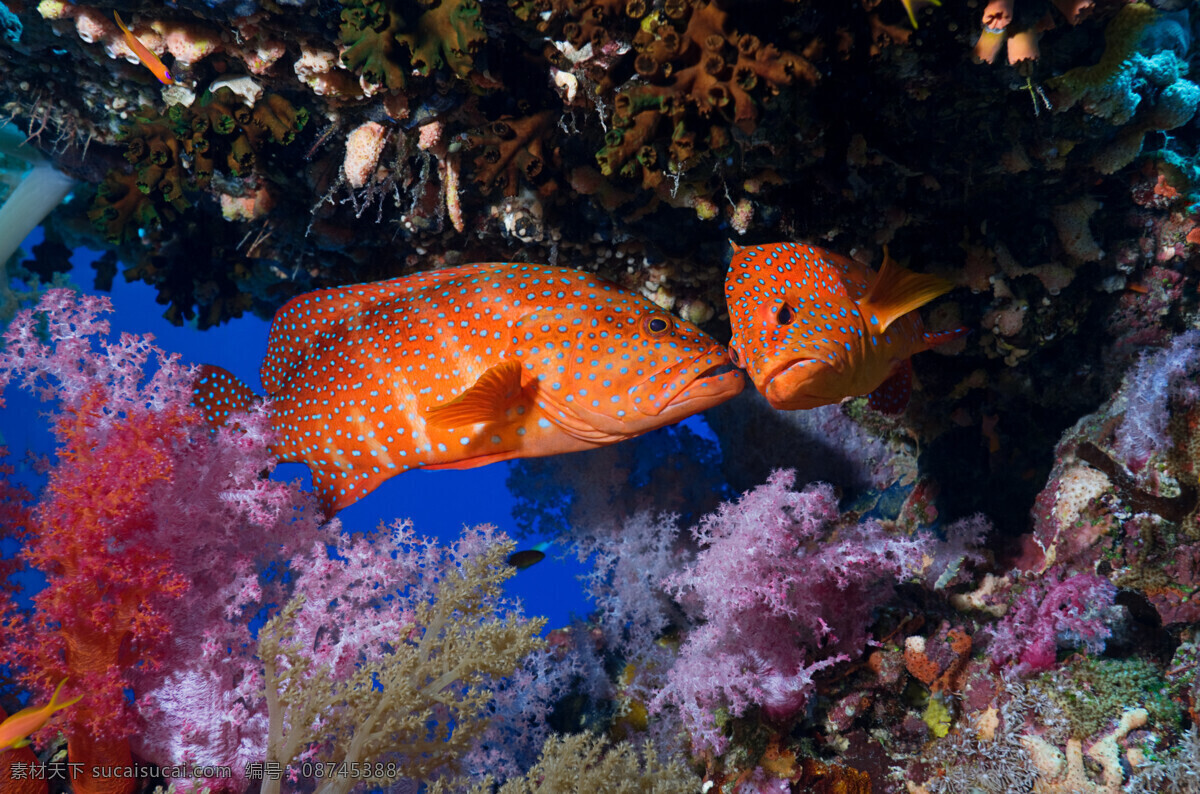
813 327
526 557
144 54
16 730
458 368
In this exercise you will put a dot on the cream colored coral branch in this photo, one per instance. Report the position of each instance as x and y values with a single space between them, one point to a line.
1065 773
431 139
436 675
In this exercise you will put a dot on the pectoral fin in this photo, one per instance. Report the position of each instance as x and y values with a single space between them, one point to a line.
892 395
895 292
486 400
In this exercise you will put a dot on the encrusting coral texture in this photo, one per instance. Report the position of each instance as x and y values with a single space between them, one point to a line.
385 40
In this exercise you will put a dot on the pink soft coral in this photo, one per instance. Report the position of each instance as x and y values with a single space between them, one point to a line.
151 533
781 596
224 526
1050 613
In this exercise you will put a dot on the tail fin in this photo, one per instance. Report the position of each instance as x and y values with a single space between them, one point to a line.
54 705
219 393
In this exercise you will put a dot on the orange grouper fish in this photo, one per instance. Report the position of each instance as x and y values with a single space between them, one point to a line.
813 327
462 367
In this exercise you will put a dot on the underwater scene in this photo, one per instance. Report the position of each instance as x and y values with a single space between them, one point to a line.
702 396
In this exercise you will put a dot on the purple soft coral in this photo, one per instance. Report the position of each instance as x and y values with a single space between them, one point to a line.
1050 613
781 598
1147 393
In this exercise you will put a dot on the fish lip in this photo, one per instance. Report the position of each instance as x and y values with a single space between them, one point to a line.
783 367
705 386
724 366
717 369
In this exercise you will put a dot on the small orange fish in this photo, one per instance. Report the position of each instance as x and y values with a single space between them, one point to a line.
466 366
15 731
813 327
148 58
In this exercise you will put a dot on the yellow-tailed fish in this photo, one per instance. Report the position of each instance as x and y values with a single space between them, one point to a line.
910 7
16 730
144 54
813 327
462 367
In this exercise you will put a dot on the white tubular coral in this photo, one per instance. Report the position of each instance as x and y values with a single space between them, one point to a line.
42 189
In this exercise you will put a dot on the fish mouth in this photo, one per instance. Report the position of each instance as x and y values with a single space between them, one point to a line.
783 366
796 384
705 381
719 369
712 386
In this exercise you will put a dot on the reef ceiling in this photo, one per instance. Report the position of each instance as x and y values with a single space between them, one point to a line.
1040 154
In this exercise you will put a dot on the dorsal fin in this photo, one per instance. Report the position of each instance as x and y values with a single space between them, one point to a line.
486 401
895 292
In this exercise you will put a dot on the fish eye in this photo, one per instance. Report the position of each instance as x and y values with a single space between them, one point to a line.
784 315
654 325
734 358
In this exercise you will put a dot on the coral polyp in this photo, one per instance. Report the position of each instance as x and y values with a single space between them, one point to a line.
386 41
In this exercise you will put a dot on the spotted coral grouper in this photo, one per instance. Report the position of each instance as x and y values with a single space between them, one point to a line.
462 367
813 327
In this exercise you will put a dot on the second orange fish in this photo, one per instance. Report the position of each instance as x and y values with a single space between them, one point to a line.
813 327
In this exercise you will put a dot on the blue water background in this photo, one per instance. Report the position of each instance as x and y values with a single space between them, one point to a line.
439 503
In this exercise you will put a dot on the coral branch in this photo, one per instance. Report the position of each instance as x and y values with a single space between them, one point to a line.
422 689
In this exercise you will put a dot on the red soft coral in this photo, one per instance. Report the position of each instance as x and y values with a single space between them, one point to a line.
101 611
16 764
151 533
104 608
